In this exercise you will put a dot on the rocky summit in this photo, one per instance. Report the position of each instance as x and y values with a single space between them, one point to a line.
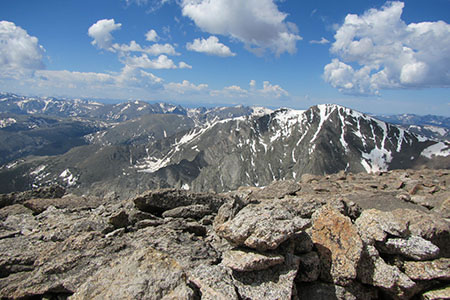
384 235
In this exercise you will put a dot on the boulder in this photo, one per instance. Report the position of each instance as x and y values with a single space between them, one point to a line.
276 190
437 294
428 270
195 211
373 270
214 282
263 226
413 247
46 192
375 225
38 205
157 202
338 245
326 291
244 260
274 283
119 219
145 274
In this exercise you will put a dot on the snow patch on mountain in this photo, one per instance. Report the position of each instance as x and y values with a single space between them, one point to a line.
438 149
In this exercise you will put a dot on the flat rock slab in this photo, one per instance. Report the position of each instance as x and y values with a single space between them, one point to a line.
325 291
338 244
274 283
195 211
373 270
159 201
276 190
214 282
146 274
247 260
438 294
414 247
428 270
263 226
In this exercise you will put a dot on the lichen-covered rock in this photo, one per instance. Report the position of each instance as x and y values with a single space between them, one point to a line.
428 270
414 247
338 244
246 260
145 274
263 226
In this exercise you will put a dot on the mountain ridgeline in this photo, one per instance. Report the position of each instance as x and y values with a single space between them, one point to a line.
131 147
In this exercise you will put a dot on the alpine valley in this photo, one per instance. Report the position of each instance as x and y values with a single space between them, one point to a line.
121 150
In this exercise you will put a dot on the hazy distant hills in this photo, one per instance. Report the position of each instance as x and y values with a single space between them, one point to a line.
126 148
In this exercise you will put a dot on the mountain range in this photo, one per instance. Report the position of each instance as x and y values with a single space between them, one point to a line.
124 149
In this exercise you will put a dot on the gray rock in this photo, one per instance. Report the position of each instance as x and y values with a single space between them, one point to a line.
46 192
263 226
38 205
276 190
373 270
15 209
145 274
414 247
119 219
246 260
374 226
214 282
274 283
325 291
195 211
428 270
437 294
157 202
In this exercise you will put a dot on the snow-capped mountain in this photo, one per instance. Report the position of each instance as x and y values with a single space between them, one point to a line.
228 149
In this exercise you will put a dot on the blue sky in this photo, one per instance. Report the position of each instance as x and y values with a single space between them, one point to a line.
373 56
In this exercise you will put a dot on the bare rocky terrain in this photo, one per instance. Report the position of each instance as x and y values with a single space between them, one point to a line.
384 235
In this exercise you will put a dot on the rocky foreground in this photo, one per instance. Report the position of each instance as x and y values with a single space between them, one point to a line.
343 236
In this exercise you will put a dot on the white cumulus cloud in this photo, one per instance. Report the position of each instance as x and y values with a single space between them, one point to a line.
144 62
378 50
18 50
151 36
185 87
257 23
183 65
155 49
210 46
101 33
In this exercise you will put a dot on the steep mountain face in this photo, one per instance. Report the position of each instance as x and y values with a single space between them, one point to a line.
227 153
285 145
